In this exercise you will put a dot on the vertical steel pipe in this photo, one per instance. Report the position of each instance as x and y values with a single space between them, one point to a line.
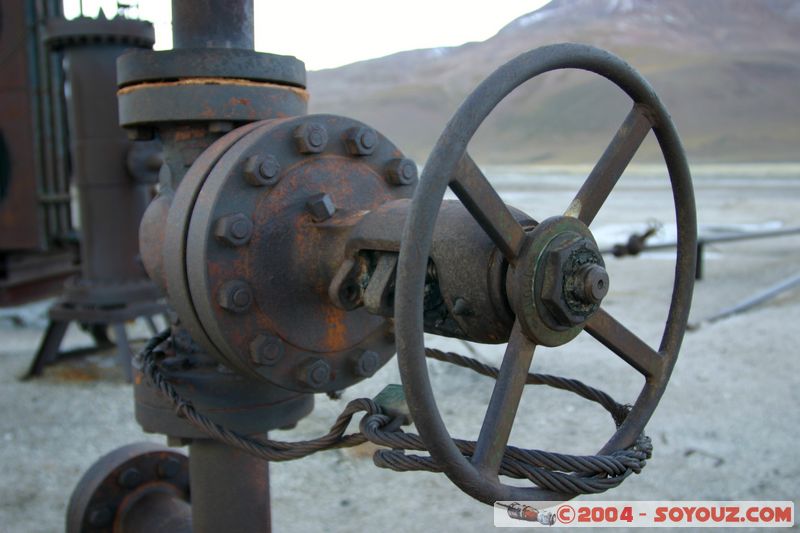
212 24
230 489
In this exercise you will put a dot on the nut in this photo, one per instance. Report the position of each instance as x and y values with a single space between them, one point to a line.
262 171
234 230
101 516
235 296
321 207
311 138
401 171
130 478
361 140
569 263
366 364
266 350
315 373
168 468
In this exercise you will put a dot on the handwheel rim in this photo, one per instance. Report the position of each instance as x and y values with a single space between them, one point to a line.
418 231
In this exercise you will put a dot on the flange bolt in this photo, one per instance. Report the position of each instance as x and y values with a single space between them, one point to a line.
235 296
361 140
311 138
321 207
168 468
315 373
101 516
266 350
234 230
401 171
130 478
262 171
367 364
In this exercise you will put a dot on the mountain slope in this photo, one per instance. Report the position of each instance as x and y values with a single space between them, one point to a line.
728 71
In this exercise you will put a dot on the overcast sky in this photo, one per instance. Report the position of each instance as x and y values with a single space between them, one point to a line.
330 33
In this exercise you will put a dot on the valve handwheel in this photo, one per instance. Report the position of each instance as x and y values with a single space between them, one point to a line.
556 278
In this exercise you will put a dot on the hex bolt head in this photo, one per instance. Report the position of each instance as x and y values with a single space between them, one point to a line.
168 468
361 140
310 138
366 364
401 171
315 373
262 171
130 478
235 296
234 230
101 516
266 350
594 281
321 207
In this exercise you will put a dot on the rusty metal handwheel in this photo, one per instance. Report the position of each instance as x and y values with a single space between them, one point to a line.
449 165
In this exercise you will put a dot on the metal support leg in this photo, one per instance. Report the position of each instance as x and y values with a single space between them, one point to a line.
124 354
230 489
151 325
698 271
48 350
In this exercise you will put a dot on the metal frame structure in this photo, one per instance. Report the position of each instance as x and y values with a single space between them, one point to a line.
37 242
113 177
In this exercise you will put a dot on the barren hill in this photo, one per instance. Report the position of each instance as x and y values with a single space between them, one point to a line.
728 71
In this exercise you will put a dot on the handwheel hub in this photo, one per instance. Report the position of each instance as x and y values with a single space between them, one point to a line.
559 281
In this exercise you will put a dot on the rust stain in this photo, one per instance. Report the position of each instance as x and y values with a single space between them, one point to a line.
336 330
73 374
302 93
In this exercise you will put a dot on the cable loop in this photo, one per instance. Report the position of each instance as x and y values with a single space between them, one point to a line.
564 473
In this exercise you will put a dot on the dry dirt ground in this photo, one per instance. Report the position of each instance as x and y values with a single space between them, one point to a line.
726 429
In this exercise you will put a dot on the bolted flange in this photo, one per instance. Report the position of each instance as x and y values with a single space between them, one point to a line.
235 296
110 490
311 138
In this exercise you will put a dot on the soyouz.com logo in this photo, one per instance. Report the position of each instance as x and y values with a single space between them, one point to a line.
645 514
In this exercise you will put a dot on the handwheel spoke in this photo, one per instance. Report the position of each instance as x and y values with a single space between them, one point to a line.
612 164
625 344
503 405
483 202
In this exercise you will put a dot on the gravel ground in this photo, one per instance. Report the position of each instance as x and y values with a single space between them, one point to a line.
726 429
